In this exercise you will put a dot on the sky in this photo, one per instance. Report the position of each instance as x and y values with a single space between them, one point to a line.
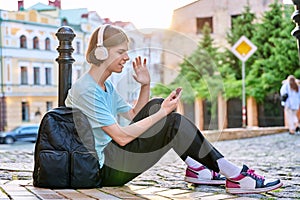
142 13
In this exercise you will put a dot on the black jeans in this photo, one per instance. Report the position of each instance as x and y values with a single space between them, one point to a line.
124 163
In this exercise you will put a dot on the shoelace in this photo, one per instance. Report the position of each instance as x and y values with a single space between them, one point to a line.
252 174
215 174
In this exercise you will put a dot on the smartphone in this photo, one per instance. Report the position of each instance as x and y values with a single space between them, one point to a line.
178 90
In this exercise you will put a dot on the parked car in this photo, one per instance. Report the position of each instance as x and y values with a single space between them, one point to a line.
24 133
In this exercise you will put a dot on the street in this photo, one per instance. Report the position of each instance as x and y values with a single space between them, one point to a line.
274 156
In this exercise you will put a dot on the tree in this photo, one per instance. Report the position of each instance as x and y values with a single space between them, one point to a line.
203 72
196 70
276 55
230 66
199 76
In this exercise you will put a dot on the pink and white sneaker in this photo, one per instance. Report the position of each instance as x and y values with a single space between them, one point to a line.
249 183
203 176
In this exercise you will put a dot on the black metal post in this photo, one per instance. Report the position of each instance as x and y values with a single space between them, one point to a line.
65 60
296 19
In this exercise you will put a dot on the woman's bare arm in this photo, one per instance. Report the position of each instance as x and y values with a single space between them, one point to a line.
124 135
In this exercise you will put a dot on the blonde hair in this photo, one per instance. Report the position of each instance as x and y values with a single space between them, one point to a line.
112 36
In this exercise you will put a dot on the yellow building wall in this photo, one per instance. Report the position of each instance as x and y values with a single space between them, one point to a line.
14 111
35 95
34 16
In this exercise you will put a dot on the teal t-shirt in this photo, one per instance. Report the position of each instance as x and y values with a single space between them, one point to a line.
101 107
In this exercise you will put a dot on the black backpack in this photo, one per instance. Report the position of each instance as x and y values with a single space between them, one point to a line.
65 155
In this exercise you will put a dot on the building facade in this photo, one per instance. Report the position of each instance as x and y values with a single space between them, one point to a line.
29 71
188 21
183 38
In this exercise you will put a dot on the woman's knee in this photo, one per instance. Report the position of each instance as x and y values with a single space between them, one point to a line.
154 105
156 101
174 120
150 108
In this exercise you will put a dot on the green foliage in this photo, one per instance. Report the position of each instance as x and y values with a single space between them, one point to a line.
277 54
198 72
241 25
209 70
160 90
230 66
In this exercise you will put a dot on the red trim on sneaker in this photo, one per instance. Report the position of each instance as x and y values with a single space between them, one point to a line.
194 175
247 182
232 184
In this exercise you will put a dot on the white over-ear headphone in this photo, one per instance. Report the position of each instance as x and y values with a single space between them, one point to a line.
101 52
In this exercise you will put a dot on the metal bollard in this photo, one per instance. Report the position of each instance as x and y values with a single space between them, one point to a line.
65 60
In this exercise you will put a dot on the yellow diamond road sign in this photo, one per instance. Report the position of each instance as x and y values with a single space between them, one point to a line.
243 48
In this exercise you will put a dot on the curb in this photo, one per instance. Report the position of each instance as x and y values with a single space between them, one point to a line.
241 133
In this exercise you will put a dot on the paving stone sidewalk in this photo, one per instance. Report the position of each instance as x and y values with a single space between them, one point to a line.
275 156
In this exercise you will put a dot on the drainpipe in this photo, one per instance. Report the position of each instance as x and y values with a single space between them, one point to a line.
2 98
1 58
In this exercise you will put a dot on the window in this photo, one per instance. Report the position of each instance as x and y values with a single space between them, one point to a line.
48 75
23 41
78 47
202 21
76 73
233 18
49 105
25 111
24 76
8 72
64 22
29 130
36 43
36 76
47 44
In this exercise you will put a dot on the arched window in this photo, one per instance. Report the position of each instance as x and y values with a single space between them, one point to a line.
23 41
36 43
47 44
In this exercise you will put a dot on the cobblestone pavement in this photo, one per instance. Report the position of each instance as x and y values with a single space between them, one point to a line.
275 156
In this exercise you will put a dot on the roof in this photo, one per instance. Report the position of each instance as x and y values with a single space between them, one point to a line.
41 7
187 5
73 16
121 23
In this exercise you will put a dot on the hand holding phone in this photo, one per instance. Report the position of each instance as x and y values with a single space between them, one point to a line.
178 90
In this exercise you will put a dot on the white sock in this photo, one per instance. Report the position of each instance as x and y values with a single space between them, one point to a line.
228 169
192 163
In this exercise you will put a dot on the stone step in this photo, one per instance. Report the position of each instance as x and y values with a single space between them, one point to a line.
23 189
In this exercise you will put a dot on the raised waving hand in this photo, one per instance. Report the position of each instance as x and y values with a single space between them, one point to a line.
141 75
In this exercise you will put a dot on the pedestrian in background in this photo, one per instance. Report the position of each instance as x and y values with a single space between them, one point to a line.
127 151
291 90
